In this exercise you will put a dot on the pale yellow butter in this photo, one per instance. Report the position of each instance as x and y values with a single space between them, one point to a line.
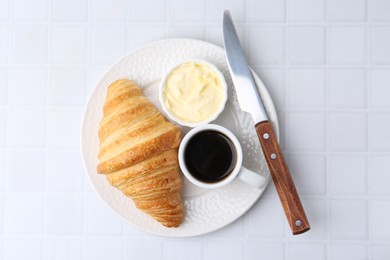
193 92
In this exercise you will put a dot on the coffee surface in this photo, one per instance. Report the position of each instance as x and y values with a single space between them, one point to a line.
210 156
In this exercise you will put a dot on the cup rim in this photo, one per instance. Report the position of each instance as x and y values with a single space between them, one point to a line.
228 134
212 117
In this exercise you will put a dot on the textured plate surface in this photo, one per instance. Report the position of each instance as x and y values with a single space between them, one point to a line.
205 210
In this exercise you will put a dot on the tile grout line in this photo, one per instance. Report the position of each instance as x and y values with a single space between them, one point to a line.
88 92
208 23
327 125
47 127
286 105
7 130
368 130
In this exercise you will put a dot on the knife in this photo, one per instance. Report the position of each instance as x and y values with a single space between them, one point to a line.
250 101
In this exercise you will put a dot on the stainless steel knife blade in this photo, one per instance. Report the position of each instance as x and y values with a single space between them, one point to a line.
247 93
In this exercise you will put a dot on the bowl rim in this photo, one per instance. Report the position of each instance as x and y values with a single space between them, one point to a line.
213 116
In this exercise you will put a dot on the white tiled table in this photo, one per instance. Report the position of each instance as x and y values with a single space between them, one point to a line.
326 64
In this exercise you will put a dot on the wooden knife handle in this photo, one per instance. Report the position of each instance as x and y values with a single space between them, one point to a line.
282 179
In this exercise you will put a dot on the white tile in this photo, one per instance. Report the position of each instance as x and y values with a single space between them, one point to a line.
31 248
65 171
24 214
348 219
104 248
64 50
272 216
306 251
235 229
94 75
147 11
309 173
379 134
347 45
29 44
67 86
3 156
139 249
380 80
25 10
348 131
379 43
274 81
88 185
2 209
348 88
4 9
306 132
107 11
144 34
64 215
69 11
266 45
316 212
181 249
60 119
26 176
282 129
267 10
307 10
254 250
28 86
347 251
379 174
306 88
214 35
4 44
103 48
3 128
186 31
380 215
134 232
348 175
348 10
187 11
223 250
3 86
27 118
381 251
63 248
216 8
379 10
101 220
306 45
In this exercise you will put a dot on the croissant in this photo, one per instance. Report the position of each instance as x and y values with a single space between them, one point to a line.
138 153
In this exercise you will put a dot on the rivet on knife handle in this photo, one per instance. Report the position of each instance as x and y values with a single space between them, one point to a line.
282 179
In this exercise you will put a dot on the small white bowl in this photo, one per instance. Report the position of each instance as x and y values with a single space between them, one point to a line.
211 117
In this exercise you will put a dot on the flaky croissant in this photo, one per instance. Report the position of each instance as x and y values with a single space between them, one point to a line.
138 152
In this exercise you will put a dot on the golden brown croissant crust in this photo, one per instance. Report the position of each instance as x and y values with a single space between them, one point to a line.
138 152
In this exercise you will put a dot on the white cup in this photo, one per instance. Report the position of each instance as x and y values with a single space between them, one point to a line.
238 171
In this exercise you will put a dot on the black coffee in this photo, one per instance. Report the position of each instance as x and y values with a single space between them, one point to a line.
210 156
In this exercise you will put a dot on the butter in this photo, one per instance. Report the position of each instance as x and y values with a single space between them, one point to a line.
193 92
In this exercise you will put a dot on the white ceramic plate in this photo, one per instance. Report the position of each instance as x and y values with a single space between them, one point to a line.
205 210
